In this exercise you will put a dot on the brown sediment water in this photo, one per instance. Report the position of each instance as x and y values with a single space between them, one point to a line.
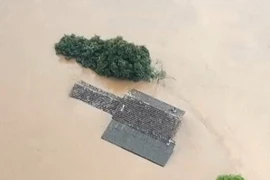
216 51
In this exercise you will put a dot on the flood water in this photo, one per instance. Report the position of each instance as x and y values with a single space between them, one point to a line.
215 52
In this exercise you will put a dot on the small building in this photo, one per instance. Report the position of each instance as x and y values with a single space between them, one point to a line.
140 123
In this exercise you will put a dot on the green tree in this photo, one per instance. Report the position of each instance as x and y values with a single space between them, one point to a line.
112 58
230 177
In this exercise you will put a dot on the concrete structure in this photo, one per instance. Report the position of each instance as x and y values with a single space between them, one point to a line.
140 123
138 143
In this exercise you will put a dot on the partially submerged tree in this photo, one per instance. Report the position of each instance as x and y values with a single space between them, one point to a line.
230 177
112 58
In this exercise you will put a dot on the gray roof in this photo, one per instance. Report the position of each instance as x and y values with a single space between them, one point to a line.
138 143
147 119
95 97
140 123
163 106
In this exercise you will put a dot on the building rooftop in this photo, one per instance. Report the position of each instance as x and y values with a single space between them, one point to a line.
140 123
163 106
147 119
138 143
95 97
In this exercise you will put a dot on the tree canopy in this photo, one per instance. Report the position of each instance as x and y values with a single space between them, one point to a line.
111 58
230 177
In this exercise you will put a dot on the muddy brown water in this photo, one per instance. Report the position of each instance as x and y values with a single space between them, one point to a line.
217 52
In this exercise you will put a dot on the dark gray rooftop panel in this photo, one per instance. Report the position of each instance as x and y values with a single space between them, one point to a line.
95 97
147 119
138 143
156 103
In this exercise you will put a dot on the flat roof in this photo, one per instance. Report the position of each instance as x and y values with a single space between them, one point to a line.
138 143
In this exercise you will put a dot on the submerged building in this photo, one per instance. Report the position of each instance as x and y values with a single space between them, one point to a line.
140 123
